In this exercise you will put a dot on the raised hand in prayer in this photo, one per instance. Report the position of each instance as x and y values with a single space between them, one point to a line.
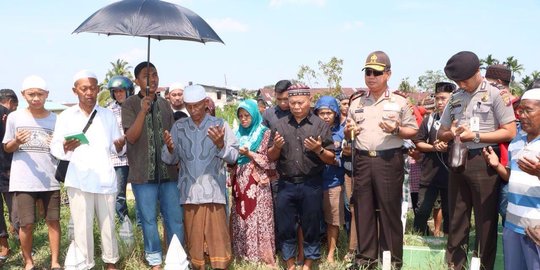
167 138
217 135
279 141
313 144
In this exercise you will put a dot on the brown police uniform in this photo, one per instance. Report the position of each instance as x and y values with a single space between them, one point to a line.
378 178
477 186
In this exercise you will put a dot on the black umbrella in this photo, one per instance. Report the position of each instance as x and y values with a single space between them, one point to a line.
149 18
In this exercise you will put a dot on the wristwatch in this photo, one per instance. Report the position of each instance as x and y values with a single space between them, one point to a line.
476 138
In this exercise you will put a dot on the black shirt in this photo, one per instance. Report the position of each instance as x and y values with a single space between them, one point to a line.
5 158
272 115
434 171
295 159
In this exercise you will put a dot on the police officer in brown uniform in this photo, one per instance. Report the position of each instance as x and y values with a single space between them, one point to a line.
380 120
480 117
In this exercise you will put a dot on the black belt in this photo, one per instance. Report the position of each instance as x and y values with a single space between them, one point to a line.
297 179
478 151
379 153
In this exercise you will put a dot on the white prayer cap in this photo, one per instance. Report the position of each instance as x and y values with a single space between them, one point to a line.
34 81
176 86
533 94
84 74
194 93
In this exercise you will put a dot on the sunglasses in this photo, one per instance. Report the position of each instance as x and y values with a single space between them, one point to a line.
373 72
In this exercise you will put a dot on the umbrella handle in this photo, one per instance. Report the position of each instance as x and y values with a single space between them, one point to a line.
148 68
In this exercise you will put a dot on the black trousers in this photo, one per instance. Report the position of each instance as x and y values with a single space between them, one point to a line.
427 195
476 188
378 184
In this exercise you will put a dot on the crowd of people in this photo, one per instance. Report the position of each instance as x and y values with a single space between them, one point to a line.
290 176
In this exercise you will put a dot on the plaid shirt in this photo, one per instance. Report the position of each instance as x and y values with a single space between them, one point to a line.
117 110
415 173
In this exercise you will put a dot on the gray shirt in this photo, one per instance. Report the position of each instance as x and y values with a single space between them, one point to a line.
486 102
32 168
202 176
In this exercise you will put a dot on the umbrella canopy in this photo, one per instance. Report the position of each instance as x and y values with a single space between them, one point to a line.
149 18
152 19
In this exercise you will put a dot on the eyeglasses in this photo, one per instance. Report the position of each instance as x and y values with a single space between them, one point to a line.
373 72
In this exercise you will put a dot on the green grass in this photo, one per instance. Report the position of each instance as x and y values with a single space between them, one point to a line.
135 260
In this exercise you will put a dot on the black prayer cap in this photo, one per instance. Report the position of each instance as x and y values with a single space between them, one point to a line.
499 72
462 66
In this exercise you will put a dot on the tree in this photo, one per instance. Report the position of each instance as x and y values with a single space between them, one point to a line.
246 94
427 81
405 86
488 61
513 64
332 70
307 75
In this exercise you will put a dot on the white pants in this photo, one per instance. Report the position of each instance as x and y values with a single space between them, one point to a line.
83 205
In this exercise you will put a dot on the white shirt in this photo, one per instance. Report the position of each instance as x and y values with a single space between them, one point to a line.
90 168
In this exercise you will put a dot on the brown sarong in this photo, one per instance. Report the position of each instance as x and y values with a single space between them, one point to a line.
207 232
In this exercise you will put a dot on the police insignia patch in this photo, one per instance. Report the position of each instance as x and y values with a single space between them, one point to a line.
507 97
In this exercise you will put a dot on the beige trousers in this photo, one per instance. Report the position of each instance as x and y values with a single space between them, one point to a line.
83 205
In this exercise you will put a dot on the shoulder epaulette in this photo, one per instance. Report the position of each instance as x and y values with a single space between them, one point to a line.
401 94
356 95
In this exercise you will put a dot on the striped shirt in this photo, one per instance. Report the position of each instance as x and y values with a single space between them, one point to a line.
118 160
523 189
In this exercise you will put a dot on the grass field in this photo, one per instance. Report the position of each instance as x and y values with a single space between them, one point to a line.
135 260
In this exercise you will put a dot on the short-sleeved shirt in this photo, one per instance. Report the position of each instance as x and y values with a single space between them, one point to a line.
486 103
367 113
146 167
433 167
271 115
33 167
295 159
523 188
5 158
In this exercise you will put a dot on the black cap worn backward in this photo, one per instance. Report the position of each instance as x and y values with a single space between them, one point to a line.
462 66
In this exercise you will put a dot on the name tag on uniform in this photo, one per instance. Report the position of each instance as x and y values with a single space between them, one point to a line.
437 125
474 123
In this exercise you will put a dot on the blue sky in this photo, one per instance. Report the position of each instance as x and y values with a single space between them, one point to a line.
267 40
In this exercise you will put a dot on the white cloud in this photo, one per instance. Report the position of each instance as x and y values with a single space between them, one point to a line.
278 3
348 26
228 25
132 56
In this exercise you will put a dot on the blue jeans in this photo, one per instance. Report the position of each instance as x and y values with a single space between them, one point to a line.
121 203
147 197
520 252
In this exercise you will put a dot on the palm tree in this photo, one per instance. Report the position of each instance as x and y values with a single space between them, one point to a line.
513 64
120 68
488 61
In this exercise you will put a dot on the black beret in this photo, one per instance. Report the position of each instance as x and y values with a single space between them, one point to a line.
462 66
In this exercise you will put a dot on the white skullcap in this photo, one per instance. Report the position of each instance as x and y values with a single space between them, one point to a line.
176 86
84 74
34 81
194 93
533 94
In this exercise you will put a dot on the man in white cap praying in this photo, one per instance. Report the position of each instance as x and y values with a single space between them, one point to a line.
90 179
28 132
202 144
521 233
